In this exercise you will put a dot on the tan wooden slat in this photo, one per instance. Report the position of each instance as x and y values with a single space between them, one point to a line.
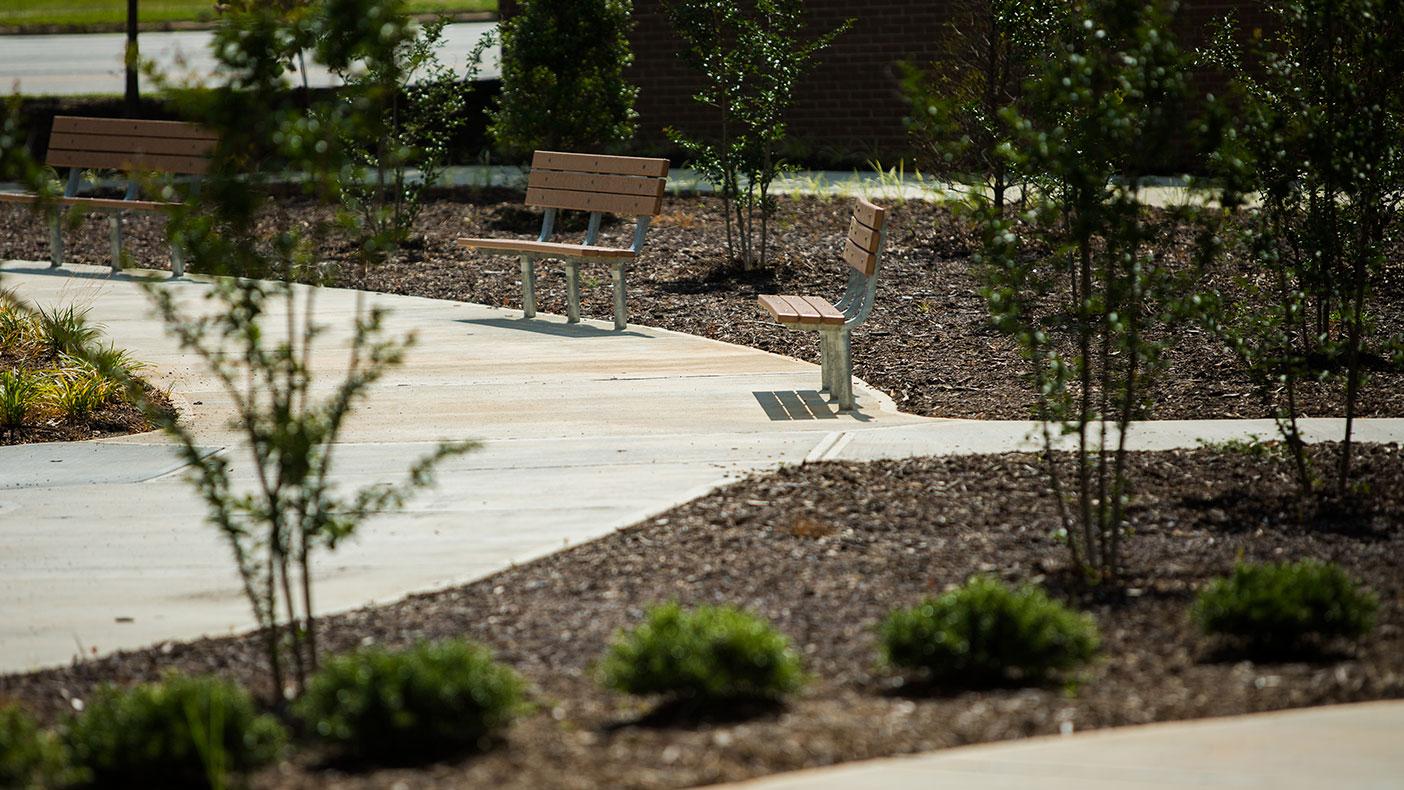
863 236
828 314
780 308
114 203
598 163
180 129
181 146
18 197
595 182
547 247
792 309
592 201
869 214
128 161
859 258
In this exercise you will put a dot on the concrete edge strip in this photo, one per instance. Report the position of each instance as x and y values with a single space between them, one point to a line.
828 448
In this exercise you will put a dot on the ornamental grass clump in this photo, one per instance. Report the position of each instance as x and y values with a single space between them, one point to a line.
420 703
1272 609
707 654
985 633
183 732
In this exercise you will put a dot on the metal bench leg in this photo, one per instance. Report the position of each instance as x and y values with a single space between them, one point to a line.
528 287
177 258
826 362
55 237
572 292
114 227
844 371
620 315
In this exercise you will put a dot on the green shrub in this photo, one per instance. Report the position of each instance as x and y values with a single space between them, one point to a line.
181 732
563 86
29 757
420 702
706 654
1280 607
986 633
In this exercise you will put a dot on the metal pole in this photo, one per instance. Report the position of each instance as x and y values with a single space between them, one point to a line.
133 98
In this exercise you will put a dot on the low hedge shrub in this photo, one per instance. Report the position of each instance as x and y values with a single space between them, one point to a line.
182 732
1271 608
986 633
706 654
412 704
29 757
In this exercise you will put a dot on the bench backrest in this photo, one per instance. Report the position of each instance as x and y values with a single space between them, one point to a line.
122 144
862 250
590 182
864 237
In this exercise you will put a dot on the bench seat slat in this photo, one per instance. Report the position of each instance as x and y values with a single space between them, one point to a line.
801 309
115 203
562 249
593 201
598 163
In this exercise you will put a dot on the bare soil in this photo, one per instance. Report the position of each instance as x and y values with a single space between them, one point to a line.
825 550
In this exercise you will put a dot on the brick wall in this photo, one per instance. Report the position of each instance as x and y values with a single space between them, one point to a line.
849 108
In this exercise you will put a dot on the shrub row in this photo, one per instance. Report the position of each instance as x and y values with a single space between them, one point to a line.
433 699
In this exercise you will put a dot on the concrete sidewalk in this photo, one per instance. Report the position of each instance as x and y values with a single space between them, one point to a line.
584 430
1343 747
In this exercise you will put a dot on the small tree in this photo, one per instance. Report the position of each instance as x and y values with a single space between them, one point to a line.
425 100
563 84
750 61
294 507
1101 112
957 124
1321 143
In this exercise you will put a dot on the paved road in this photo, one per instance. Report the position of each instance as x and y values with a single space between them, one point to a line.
72 64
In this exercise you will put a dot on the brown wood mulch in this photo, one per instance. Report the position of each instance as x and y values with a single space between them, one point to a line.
824 550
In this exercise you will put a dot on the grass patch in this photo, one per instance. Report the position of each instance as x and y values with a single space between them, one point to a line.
81 14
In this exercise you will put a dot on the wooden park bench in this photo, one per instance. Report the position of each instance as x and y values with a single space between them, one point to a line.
834 322
132 146
584 182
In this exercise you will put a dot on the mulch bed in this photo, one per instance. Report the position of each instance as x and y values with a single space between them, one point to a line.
928 343
824 550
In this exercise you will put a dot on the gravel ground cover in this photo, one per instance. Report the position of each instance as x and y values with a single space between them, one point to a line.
824 550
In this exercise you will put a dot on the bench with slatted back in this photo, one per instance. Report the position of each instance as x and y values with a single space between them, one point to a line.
835 321
135 147
584 182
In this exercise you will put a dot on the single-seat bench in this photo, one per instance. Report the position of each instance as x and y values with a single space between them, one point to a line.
584 182
136 147
835 321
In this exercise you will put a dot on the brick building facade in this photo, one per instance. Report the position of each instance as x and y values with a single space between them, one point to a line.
849 109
